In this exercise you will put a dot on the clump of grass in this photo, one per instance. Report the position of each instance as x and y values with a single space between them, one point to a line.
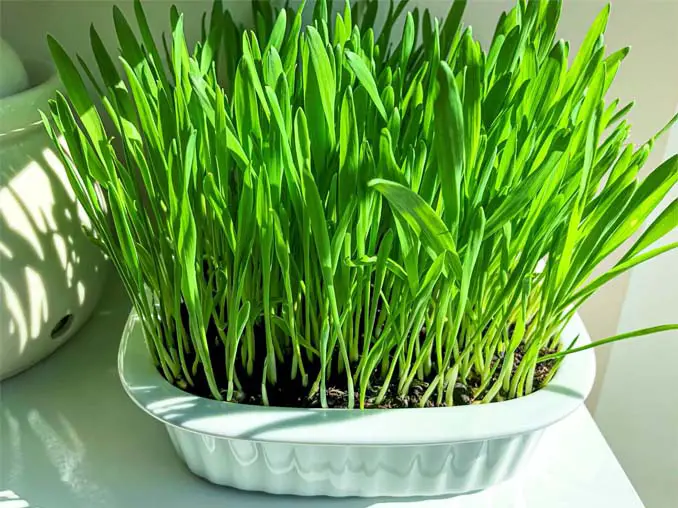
329 204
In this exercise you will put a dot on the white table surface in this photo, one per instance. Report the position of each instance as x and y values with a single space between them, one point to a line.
70 438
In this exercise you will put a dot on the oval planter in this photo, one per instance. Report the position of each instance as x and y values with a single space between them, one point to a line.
338 452
51 275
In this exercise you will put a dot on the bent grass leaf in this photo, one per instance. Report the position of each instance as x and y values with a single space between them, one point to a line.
662 225
366 79
421 218
323 74
77 93
615 338
449 144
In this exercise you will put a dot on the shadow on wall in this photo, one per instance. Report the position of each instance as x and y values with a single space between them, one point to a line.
51 276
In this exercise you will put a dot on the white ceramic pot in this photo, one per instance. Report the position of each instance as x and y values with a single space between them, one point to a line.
51 276
338 452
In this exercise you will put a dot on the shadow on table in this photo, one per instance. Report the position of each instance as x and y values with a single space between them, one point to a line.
257 500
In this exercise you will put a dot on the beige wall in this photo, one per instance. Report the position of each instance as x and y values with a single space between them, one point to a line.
637 409
25 23
649 75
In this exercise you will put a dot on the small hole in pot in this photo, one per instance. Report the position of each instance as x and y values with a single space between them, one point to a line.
62 326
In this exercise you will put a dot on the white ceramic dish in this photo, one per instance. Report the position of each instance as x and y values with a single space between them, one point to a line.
336 452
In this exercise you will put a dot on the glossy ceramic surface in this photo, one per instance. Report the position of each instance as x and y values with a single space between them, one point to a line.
51 275
403 452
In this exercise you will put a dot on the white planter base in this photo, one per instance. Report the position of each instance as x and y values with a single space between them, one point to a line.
337 452
362 471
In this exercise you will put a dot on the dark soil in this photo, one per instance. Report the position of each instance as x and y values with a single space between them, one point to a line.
291 393
541 372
